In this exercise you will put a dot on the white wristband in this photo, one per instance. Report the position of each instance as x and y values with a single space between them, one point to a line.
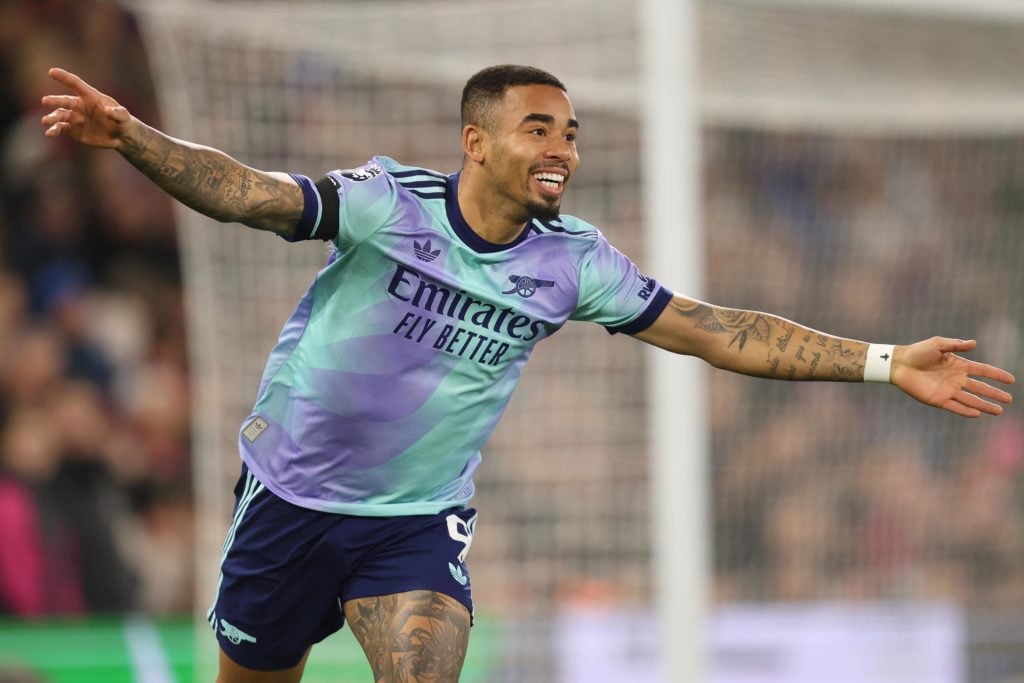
878 364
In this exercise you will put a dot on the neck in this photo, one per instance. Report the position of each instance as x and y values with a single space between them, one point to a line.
490 215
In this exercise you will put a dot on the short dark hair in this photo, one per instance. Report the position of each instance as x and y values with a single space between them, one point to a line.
485 89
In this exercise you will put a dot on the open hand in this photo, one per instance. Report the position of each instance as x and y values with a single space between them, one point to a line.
87 115
931 372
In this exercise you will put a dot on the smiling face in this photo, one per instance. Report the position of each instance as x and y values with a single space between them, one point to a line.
528 150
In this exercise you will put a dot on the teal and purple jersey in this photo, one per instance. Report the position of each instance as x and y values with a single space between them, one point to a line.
402 355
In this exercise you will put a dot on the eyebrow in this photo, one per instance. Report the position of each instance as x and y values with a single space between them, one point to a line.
548 119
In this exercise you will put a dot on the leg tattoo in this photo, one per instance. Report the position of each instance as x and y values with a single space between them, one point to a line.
419 636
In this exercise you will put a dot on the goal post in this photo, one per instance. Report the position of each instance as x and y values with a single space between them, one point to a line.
676 412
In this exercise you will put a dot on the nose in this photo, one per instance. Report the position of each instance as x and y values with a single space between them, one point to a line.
560 149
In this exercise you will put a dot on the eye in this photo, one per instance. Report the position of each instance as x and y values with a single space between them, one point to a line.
571 137
538 131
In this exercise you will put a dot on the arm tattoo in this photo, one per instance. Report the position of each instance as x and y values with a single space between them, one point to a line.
768 346
742 326
420 635
213 183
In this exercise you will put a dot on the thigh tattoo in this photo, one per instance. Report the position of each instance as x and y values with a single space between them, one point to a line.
417 636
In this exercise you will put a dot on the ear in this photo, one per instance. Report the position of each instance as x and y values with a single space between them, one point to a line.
474 141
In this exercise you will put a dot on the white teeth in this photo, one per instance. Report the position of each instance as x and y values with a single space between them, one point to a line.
550 180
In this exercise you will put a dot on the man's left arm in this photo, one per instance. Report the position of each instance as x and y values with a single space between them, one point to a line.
764 345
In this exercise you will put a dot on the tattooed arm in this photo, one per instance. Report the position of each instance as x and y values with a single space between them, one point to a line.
754 343
205 179
213 183
764 345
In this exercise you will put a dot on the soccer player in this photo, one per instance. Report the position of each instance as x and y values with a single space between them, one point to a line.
394 368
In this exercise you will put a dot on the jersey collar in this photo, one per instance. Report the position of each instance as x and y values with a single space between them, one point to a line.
461 227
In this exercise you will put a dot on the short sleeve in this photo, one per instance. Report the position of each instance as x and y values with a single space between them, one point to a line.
614 293
345 206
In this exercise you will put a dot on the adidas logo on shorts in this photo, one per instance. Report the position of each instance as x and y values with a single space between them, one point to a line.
457 574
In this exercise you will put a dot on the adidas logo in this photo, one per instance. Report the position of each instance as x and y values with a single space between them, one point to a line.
423 252
457 574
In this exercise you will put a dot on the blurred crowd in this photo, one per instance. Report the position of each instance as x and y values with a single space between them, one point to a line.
856 493
95 504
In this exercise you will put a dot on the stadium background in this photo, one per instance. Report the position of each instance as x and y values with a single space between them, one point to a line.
834 506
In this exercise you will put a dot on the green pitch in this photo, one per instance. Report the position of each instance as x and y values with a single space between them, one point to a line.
134 649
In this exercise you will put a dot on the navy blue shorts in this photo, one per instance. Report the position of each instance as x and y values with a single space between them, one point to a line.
286 571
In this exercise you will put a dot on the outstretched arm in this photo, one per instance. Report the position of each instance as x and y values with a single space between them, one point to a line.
205 179
764 345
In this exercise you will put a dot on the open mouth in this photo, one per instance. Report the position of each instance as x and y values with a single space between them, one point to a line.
552 182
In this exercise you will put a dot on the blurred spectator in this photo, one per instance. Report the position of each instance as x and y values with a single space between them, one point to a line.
39 553
92 358
162 549
92 500
36 364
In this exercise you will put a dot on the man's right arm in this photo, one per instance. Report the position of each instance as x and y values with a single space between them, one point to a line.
205 179
213 183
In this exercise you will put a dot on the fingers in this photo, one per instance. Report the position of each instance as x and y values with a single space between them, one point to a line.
987 391
954 406
57 116
70 80
57 120
65 101
946 344
114 112
969 400
991 372
56 129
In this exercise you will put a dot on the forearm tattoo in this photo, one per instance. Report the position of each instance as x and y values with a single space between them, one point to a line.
415 636
213 183
775 347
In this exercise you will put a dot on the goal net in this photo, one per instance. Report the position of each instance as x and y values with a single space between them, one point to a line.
862 174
